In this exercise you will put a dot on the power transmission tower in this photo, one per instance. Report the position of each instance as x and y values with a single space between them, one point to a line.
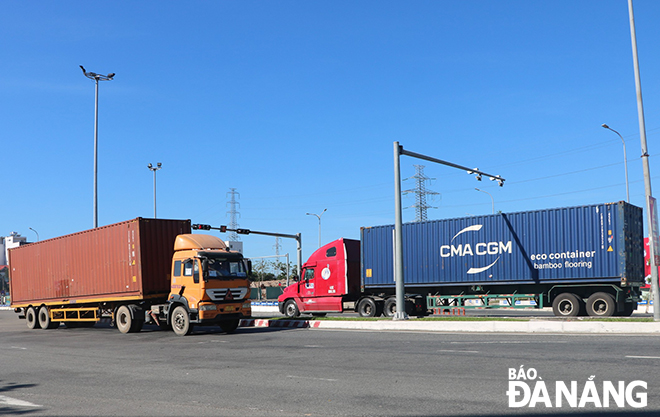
233 214
277 245
420 192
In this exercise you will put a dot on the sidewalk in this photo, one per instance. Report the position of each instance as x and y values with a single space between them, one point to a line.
537 326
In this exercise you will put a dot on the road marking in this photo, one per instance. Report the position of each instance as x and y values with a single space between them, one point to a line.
16 347
643 357
458 351
506 342
16 403
311 377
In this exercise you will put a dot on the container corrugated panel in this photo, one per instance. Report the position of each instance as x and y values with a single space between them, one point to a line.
595 243
131 259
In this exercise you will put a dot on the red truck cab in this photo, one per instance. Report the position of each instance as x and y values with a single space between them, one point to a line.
330 281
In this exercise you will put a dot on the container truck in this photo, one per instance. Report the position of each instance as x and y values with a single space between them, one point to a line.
135 272
585 260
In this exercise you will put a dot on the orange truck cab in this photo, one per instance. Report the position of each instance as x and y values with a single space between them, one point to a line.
209 285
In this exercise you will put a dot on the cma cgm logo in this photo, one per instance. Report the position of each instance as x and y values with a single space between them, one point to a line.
479 249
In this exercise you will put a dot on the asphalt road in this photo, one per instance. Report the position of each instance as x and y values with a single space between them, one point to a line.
303 372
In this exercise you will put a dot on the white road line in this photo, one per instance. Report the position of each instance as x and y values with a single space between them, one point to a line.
311 377
458 351
643 357
505 342
16 403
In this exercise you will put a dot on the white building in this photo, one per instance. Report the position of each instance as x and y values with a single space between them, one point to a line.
14 240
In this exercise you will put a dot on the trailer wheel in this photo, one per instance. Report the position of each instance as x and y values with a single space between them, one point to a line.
367 307
229 326
124 320
389 308
181 322
291 309
566 305
601 304
31 318
44 319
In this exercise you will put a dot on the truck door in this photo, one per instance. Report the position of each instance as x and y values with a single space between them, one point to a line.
308 286
187 277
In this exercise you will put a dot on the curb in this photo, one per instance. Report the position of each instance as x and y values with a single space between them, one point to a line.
533 326
295 324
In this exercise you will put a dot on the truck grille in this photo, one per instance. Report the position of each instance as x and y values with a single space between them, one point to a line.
220 294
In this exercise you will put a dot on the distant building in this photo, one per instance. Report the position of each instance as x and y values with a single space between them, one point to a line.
234 246
14 240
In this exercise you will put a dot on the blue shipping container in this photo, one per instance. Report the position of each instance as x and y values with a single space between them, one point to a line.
585 244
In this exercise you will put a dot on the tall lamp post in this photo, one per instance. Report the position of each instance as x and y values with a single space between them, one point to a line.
491 198
625 159
651 213
96 77
37 233
319 217
154 169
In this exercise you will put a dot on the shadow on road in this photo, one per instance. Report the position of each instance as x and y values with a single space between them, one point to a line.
8 405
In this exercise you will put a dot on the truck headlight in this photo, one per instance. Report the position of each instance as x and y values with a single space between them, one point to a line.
247 305
207 307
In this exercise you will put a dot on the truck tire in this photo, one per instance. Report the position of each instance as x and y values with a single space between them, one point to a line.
389 307
181 322
291 309
44 319
31 318
566 305
601 304
124 319
229 326
368 307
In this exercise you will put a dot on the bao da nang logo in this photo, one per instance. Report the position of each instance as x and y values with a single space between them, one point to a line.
528 389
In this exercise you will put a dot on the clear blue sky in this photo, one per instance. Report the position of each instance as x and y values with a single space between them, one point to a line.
296 104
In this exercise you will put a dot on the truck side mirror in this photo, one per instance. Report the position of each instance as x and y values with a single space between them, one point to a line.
205 269
249 267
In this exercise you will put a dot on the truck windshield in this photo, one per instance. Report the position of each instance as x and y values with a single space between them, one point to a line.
226 268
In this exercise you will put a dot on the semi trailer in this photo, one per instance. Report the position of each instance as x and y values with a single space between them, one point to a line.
585 260
134 272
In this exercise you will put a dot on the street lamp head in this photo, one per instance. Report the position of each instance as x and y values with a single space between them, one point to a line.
83 69
149 166
112 74
159 165
605 126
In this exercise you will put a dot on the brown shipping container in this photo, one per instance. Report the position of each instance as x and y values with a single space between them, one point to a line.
128 260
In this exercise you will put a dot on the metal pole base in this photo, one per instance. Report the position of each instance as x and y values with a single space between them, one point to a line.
400 316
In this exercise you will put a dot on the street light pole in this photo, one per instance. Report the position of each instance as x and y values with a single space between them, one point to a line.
35 232
96 77
492 200
154 169
319 217
651 214
625 159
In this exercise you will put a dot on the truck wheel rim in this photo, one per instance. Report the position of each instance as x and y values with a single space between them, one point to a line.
600 306
178 321
566 307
